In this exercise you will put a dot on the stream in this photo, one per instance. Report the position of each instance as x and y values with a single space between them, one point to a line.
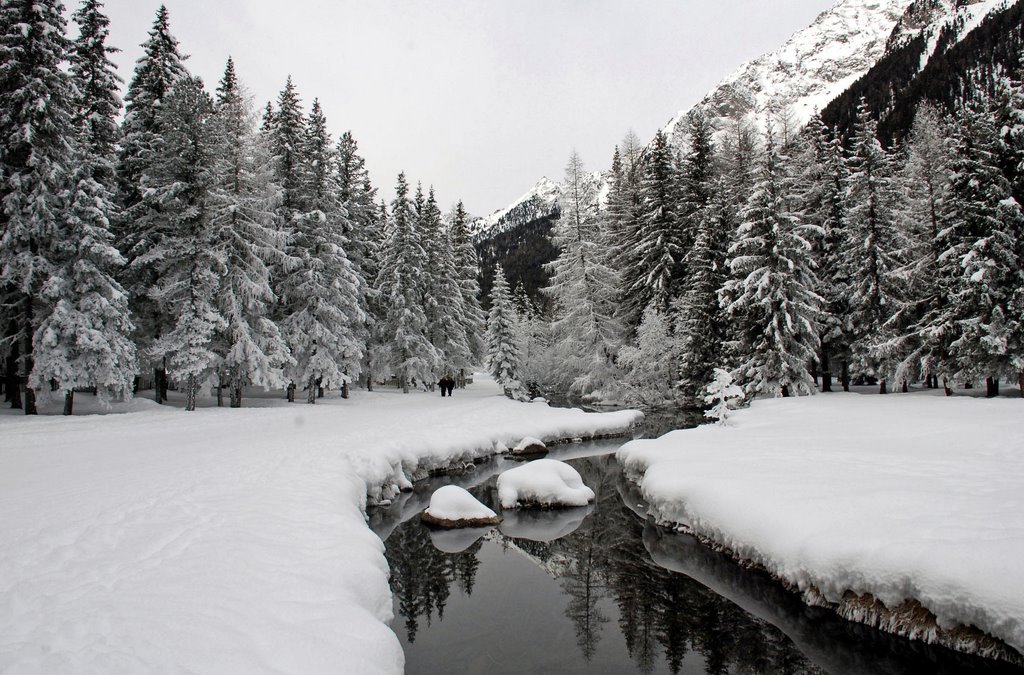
601 589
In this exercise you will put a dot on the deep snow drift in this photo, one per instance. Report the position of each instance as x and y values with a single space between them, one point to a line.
226 540
901 496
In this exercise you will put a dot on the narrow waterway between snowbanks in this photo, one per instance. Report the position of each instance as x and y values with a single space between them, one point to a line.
602 589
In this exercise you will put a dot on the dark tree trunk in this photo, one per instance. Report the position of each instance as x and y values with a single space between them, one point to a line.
404 384
785 391
220 389
814 372
311 391
290 392
881 387
1020 382
26 363
845 377
236 395
826 372
369 381
946 389
344 390
191 385
69 401
991 387
30 401
158 388
904 387
13 381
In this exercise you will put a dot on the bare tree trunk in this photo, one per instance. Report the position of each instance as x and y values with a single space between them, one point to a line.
311 391
369 380
945 387
826 370
991 387
158 387
13 381
69 401
881 387
785 391
404 384
290 392
344 390
236 394
845 377
220 389
190 392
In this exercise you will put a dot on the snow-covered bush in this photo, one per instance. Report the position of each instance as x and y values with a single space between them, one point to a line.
723 396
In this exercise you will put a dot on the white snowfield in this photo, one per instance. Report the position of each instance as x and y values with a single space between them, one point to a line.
226 541
545 482
901 496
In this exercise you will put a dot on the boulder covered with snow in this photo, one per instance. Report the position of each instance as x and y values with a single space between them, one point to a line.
452 506
544 483
530 446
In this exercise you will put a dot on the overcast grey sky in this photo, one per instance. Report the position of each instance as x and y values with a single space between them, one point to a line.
478 97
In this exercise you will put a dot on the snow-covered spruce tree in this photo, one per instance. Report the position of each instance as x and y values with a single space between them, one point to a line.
773 285
872 242
242 204
532 336
84 334
822 175
697 317
467 272
284 132
138 230
583 289
36 97
650 363
448 320
723 396
189 261
324 318
378 352
410 354
621 217
503 357
981 263
656 249
924 179
1009 102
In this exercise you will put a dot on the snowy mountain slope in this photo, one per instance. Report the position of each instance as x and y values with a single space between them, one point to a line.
538 201
809 70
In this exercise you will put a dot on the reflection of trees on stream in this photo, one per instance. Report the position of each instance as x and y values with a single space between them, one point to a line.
660 613
422 576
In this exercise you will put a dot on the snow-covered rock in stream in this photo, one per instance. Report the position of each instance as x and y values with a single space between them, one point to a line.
529 446
543 483
453 507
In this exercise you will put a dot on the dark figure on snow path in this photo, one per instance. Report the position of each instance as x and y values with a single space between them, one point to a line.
451 385
447 385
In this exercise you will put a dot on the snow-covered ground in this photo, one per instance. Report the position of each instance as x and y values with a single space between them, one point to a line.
902 496
226 540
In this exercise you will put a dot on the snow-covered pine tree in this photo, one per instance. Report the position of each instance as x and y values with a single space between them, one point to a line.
773 283
242 205
980 262
822 178
533 339
284 131
871 246
324 317
696 313
189 261
583 289
656 249
84 336
449 319
621 217
357 196
722 396
138 229
467 272
36 97
503 356
924 179
410 354
378 352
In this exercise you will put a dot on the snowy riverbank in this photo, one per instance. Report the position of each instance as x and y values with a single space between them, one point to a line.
904 497
226 540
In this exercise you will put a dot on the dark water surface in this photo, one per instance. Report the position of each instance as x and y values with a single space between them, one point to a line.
602 590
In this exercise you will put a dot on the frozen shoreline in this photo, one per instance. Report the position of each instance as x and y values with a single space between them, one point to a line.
851 499
227 540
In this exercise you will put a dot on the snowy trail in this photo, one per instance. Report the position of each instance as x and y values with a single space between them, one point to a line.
224 540
900 496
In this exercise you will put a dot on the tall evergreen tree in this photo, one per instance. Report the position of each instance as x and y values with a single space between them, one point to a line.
871 246
503 357
138 231
450 320
188 261
83 338
698 322
773 286
467 272
243 200
36 97
583 288
324 315
657 245
410 354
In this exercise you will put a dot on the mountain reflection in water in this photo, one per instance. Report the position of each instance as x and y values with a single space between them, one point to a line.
601 589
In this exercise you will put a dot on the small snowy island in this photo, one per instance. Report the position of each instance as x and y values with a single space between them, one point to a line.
453 507
543 483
